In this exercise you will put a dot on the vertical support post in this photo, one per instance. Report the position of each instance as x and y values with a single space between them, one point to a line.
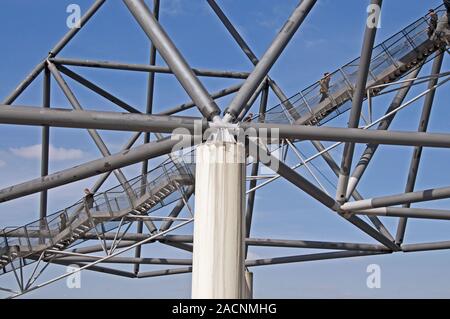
255 168
218 256
149 110
151 85
45 143
248 285
370 150
357 101
417 154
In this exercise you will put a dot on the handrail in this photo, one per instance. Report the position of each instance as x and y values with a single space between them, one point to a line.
407 39
48 228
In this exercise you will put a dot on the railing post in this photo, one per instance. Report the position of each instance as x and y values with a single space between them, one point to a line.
28 238
306 103
389 55
107 203
49 233
347 81
409 40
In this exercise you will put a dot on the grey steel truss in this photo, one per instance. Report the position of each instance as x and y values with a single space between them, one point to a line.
100 229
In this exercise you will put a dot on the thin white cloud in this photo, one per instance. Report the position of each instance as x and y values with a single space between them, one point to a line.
56 153
314 43
173 7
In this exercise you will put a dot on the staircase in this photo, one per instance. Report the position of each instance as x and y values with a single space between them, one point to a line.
141 196
391 60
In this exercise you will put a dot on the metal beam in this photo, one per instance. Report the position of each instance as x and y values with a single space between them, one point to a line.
155 123
268 59
173 58
45 146
116 121
149 108
165 272
370 150
100 247
398 199
310 257
255 168
417 153
95 88
129 260
426 246
53 52
151 68
375 234
357 102
406 212
92 168
249 53
353 135
289 243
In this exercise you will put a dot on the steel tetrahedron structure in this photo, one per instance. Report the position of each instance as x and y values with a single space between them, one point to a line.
110 226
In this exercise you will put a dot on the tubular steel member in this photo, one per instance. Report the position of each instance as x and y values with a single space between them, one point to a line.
249 53
353 135
173 58
398 199
92 168
151 68
417 154
370 150
254 172
57 117
45 143
269 58
357 102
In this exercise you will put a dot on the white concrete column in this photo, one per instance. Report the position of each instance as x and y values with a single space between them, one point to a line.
218 257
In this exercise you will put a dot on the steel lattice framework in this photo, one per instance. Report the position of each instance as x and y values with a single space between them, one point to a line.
109 215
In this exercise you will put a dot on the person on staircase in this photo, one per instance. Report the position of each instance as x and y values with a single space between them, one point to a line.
62 222
88 199
433 22
248 118
325 86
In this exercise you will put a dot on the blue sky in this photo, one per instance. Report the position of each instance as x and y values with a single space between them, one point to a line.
330 37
